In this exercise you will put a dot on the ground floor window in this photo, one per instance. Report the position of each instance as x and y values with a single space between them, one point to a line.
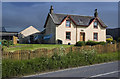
95 36
68 35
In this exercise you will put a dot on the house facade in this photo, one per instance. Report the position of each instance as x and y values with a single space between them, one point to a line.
73 28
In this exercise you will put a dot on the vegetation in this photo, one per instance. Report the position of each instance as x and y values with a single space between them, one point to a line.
113 42
33 46
118 39
102 43
82 43
12 68
91 43
7 43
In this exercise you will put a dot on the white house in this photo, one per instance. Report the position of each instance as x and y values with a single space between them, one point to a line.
67 28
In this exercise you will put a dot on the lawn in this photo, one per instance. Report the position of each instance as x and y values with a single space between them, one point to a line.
34 46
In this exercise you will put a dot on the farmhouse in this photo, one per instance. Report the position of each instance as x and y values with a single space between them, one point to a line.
69 29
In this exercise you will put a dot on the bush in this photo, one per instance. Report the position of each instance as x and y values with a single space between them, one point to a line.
102 43
113 41
7 42
92 43
118 39
4 42
80 43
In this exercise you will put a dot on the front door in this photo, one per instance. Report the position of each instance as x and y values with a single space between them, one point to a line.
82 36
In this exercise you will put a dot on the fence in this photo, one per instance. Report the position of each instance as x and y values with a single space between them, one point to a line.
27 54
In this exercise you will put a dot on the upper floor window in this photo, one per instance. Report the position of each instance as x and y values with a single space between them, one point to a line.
95 36
95 24
68 35
67 23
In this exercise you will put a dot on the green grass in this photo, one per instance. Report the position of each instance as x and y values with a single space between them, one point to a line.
32 47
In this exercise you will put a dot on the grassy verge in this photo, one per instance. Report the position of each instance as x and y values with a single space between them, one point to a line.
12 68
33 46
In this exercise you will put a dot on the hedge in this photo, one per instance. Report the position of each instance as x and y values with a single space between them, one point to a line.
18 68
7 42
89 42
80 43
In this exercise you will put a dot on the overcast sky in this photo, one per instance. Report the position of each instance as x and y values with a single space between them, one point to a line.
16 16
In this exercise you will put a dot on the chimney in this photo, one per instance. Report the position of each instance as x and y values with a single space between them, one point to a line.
96 13
51 9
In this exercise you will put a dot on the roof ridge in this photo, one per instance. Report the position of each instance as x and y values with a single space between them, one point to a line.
28 28
86 19
74 15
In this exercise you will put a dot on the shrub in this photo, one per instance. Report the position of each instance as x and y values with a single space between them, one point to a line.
92 43
4 42
102 43
118 39
80 43
7 42
113 41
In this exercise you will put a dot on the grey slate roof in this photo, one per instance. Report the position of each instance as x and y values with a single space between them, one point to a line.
79 20
8 33
101 22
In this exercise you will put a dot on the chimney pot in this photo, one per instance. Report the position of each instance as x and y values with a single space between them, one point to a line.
96 13
51 9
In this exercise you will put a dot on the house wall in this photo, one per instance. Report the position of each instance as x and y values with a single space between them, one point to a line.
90 30
24 35
50 29
62 29
29 31
61 33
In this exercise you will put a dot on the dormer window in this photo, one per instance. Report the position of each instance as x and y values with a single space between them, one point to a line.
95 24
67 23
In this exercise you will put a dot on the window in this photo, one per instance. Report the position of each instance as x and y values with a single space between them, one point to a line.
68 35
95 24
95 36
67 23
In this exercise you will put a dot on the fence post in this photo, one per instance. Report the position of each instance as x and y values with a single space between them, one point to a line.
28 54
70 49
118 46
18 55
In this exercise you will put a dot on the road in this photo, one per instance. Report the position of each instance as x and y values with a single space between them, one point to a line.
110 69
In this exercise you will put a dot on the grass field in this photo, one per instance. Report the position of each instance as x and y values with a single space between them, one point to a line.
33 46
